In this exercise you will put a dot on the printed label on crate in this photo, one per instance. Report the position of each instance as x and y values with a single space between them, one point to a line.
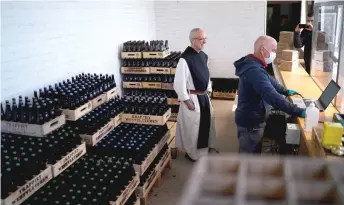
146 119
98 101
111 94
129 190
74 115
167 86
117 120
33 129
173 101
162 54
95 138
131 54
151 85
159 70
135 70
29 188
132 85
142 190
163 141
224 94
173 117
69 159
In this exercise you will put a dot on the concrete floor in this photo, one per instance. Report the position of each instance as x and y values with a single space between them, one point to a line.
173 182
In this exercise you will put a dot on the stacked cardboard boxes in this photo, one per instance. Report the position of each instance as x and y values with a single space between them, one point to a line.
285 43
289 60
322 61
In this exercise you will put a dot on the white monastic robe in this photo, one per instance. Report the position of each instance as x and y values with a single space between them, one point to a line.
195 131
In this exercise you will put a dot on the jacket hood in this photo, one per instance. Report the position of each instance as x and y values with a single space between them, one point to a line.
244 64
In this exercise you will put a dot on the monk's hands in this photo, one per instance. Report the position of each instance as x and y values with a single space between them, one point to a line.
190 104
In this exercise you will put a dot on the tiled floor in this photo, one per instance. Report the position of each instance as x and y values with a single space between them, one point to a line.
173 183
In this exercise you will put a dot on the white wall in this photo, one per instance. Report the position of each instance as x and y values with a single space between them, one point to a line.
231 26
44 42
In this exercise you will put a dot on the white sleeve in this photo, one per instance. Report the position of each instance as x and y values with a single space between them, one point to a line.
180 80
209 88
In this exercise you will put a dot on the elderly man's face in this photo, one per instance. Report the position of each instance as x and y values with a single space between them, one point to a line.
199 40
270 47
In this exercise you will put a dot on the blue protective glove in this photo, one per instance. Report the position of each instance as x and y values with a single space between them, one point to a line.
292 92
303 115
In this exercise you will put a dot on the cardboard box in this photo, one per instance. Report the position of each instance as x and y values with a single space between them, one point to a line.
290 55
283 46
289 65
322 46
286 37
322 55
324 66
321 37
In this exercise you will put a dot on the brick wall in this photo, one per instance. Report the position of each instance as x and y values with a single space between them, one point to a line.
43 43
231 26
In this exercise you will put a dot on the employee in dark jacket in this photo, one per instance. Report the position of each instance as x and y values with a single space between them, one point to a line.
305 39
258 91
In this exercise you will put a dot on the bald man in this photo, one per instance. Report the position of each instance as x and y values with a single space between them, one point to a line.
195 130
258 91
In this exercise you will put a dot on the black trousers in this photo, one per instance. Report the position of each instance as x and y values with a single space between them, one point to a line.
308 65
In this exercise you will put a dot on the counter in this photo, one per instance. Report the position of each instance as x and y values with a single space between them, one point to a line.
300 81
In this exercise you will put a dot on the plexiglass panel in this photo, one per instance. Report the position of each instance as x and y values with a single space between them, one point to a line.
327 45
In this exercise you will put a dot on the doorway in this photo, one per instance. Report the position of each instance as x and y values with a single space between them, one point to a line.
282 16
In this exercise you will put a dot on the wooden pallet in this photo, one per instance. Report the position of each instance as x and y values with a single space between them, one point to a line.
157 181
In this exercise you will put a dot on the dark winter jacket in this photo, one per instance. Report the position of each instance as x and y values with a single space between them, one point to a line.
304 39
258 91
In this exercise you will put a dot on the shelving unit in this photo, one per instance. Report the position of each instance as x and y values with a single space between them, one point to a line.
132 68
149 72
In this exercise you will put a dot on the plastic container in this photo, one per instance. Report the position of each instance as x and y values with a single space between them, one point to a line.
312 117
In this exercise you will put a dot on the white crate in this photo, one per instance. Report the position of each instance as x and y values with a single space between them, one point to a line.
25 191
163 141
131 55
74 115
129 190
69 159
135 70
141 168
33 129
241 179
99 100
110 94
100 134
160 70
155 55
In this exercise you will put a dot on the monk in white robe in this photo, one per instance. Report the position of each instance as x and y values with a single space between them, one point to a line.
195 131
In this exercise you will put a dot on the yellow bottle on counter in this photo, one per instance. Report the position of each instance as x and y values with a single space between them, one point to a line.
332 134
